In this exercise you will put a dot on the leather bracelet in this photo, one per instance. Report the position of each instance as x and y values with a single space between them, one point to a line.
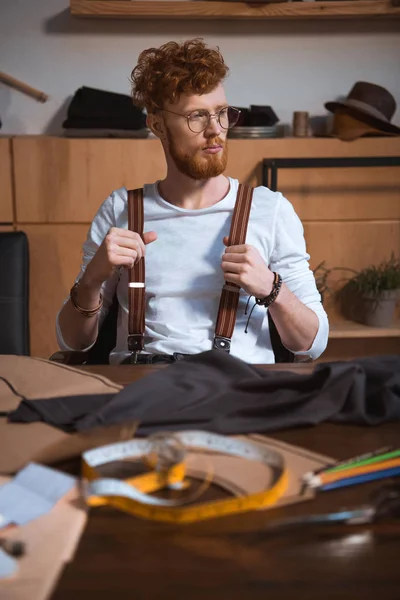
276 288
85 312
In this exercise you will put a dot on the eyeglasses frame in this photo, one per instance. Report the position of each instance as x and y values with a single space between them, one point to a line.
210 116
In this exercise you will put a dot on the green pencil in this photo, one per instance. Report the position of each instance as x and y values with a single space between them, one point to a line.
366 461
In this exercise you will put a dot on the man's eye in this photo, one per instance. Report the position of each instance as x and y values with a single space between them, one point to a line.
223 112
198 114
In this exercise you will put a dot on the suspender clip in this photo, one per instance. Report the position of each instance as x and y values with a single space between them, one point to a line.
222 343
135 342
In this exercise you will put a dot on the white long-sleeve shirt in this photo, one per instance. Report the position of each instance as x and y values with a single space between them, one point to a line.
184 276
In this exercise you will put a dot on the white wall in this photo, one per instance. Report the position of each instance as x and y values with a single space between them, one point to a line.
291 66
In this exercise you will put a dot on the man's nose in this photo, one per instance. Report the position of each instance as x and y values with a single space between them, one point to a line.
213 128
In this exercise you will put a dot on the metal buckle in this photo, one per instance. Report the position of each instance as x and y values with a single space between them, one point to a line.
179 356
135 342
222 343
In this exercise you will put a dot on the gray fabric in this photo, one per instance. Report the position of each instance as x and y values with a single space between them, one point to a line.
216 392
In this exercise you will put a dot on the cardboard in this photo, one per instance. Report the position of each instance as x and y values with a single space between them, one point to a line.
36 378
51 541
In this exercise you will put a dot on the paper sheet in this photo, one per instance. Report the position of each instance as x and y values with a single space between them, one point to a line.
32 493
8 565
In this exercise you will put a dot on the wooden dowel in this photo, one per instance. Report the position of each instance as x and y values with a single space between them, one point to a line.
23 87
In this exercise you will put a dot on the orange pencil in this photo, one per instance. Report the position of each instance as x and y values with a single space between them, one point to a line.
354 472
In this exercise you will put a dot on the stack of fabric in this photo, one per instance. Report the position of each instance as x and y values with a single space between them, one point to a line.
98 113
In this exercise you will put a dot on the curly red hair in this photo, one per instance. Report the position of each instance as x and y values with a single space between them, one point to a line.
163 74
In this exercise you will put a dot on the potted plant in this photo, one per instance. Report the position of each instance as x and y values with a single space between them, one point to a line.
370 296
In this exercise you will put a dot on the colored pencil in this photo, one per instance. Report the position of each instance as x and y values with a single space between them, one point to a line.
354 472
348 461
363 462
335 485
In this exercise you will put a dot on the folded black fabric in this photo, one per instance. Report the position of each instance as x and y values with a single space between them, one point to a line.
63 413
91 108
217 392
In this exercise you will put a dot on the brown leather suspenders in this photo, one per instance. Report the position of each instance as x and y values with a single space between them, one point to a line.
137 290
230 292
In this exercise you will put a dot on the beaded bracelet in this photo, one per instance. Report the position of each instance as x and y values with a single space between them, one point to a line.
276 288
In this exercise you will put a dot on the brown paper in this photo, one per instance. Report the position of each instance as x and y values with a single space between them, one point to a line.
36 378
50 541
38 442
243 477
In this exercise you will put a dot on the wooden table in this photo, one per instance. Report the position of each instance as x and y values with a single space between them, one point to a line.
121 557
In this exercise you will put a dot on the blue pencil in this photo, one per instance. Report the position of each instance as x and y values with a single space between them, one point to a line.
374 476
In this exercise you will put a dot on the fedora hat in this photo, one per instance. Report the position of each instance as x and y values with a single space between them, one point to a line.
370 104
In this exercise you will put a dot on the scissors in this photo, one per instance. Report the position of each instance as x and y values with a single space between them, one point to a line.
384 504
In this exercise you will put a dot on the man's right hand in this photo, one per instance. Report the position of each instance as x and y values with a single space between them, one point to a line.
120 248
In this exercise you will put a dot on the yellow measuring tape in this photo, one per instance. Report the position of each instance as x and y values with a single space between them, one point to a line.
165 453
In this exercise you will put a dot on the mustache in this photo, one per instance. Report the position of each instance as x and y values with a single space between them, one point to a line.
215 142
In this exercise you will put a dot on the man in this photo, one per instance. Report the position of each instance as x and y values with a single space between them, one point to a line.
187 222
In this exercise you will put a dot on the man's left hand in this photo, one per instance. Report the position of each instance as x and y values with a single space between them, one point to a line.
244 266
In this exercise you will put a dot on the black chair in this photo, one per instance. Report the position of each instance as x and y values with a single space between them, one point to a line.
106 340
14 293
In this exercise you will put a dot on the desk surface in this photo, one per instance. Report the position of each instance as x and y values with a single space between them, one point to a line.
124 374
121 557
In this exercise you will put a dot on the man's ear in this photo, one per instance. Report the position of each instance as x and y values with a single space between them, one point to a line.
155 123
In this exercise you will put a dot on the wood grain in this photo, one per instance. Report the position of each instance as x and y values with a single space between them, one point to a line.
352 348
342 194
344 329
354 244
66 180
126 374
144 9
246 156
6 201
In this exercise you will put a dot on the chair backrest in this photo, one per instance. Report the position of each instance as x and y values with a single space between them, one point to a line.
14 293
107 337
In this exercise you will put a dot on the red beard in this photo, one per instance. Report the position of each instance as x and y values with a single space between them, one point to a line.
200 165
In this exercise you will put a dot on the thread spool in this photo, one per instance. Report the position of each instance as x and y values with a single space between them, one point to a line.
300 124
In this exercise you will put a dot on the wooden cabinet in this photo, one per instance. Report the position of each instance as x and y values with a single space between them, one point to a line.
6 199
59 180
351 244
349 348
351 216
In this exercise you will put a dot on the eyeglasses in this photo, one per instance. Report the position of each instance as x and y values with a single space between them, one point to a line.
199 120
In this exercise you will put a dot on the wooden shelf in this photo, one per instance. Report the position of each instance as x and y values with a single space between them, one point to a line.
193 9
349 329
